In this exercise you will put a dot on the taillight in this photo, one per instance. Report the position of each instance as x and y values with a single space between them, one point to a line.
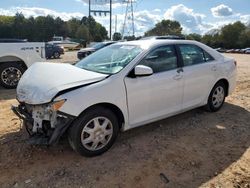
235 63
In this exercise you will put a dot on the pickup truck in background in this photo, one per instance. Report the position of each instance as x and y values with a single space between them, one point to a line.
52 50
16 57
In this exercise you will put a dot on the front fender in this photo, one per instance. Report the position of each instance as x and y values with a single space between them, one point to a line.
108 91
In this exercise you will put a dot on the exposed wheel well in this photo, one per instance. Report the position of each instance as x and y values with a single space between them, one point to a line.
225 82
111 107
13 59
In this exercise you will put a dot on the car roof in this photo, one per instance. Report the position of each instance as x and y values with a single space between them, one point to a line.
145 44
148 44
108 42
165 37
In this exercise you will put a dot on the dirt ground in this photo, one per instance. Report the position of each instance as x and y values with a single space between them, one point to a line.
193 149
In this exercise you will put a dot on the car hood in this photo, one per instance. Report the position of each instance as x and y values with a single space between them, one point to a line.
87 49
42 81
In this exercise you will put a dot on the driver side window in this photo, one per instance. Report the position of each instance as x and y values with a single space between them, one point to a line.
161 59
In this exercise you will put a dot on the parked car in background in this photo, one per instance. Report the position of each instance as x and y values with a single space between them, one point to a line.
67 43
121 87
247 51
244 50
84 52
237 51
230 51
52 50
221 50
15 57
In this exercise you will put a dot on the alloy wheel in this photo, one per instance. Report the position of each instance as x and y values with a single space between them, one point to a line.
10 76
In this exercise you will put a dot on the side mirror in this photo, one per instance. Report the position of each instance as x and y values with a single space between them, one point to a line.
142 70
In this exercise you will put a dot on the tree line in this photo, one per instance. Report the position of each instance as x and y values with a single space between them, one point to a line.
43 28
235 35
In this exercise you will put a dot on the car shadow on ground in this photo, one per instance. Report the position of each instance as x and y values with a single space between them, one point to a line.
186 150
7 94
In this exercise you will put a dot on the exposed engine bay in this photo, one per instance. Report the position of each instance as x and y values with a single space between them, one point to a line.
44 124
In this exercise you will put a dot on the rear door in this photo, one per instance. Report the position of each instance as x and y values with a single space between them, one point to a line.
158 95
199 74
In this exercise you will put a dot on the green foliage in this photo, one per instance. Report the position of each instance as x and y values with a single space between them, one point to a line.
73 25
230 35
235 35
43 28
165 27
214 41
244 39
82 32
117 36
194 36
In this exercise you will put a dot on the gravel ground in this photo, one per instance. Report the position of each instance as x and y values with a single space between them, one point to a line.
193 149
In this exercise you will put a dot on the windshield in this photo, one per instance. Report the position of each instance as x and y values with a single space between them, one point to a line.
110 60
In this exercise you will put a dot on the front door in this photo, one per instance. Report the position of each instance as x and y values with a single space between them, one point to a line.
153 97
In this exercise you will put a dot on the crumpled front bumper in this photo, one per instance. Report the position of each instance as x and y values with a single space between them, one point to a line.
53 136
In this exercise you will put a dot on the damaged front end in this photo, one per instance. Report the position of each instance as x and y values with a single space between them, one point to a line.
44 123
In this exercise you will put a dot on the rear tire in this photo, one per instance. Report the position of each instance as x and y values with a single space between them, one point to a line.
94 132
56 55
216 98
10 74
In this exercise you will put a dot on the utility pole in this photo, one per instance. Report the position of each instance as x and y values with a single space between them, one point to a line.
129 19
110 20
133 22
101 11
89 19
115 23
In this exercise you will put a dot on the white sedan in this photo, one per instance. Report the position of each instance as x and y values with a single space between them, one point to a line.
120 87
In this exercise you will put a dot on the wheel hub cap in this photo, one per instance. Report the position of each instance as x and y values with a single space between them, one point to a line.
97 133
218 96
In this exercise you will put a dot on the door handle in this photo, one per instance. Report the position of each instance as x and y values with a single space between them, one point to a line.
178 77
179 70
214 68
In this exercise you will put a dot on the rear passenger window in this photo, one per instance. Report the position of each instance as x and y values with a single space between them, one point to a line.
207 56
193 55
161 59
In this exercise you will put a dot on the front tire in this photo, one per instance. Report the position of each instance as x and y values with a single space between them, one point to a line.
217 97
10 74
94 132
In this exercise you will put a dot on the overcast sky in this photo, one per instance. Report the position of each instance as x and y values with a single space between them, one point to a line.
197 16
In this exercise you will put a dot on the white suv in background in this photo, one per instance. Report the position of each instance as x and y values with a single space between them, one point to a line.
120 87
